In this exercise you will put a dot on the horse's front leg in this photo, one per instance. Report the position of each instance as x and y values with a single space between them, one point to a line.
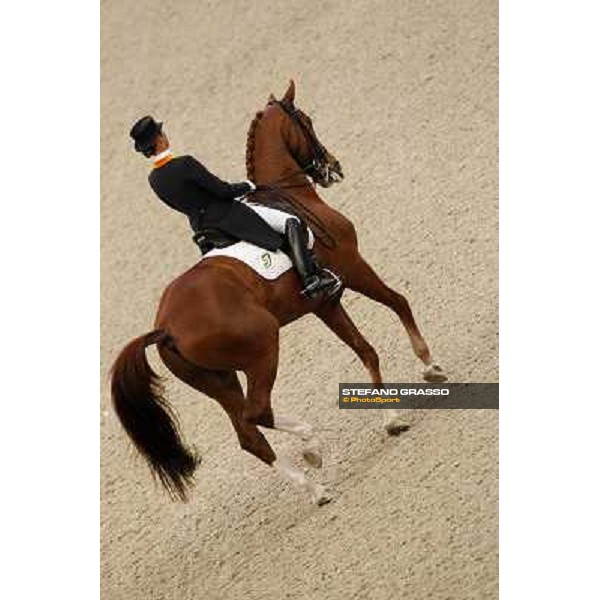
363 279
337 319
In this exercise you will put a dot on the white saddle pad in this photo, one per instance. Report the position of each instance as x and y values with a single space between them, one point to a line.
269 265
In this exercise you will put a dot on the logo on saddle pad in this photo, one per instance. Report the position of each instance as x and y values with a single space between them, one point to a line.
265 257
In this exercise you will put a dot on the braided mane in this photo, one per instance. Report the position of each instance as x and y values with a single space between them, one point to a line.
250 142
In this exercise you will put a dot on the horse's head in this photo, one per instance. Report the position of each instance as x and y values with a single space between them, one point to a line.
303 144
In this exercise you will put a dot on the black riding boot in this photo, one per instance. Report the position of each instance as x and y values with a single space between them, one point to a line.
314 279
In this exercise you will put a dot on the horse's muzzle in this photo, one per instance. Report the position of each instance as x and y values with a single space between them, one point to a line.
330 174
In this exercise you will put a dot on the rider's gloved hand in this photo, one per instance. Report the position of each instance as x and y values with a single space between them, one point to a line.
254 189
251 191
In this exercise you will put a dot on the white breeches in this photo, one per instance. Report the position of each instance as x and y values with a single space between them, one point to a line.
276 218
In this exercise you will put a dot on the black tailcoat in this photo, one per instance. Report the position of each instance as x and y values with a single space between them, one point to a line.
188 187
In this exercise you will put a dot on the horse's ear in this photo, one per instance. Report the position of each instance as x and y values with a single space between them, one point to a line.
271 99
290 94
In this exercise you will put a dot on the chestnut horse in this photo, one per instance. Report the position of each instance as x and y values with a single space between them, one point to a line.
220 317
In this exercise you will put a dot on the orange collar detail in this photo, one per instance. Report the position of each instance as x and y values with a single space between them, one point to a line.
163 161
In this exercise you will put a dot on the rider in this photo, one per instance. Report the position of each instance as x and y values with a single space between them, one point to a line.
187 186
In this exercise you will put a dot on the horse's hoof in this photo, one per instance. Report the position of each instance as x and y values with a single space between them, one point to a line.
323 500
312 455
321 496
395 426
434 374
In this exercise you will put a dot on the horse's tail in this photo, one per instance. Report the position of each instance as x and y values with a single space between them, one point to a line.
150 422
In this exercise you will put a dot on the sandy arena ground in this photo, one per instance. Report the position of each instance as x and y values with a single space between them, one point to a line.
405 94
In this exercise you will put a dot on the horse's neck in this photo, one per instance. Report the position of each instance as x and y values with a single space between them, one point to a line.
272 160
274 164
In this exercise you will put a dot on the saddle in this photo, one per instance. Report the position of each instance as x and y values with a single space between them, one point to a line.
208 239
278 201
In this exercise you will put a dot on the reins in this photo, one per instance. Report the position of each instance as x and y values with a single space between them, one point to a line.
313 220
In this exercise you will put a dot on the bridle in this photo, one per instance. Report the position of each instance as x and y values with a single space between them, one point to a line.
317 149
319 158
315 165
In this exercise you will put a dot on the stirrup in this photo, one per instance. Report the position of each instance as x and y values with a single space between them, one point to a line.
331 283
336 286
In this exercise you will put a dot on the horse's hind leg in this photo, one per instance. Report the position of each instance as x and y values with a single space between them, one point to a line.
260 374
225 388
363 279
338 320
246 414
312 448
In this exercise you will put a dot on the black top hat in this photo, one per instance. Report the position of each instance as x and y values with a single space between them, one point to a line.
144 133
